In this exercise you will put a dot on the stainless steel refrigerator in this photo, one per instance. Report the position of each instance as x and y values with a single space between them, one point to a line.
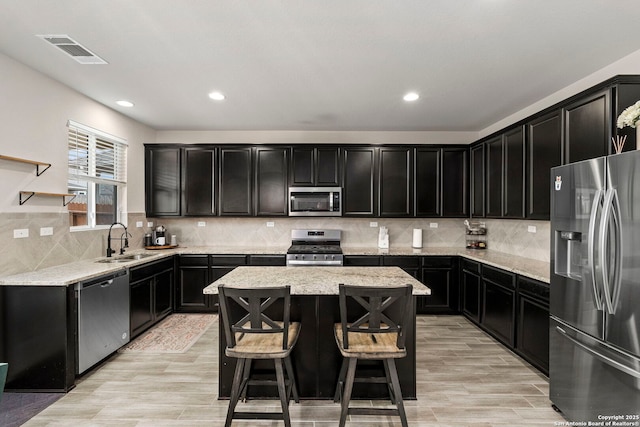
594 355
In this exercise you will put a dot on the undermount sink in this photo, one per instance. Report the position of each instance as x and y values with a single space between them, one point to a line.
124 258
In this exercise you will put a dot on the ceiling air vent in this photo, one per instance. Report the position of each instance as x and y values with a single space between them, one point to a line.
73 49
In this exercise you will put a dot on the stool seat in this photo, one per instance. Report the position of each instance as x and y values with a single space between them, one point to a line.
369 345
263 346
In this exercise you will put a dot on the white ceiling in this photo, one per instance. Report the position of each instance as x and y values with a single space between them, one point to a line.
322 65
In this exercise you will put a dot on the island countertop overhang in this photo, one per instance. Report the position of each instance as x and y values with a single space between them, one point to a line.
317 280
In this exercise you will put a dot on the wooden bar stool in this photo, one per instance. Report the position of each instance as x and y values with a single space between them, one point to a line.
250 335
373 336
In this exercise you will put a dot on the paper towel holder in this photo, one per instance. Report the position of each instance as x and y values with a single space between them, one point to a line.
417 238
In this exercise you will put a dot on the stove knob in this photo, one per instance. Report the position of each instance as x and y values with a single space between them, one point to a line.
315 257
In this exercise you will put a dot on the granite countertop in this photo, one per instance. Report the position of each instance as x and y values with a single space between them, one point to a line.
317 280
535 269
74 272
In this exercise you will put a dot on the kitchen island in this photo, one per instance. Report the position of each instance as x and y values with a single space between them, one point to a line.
314 303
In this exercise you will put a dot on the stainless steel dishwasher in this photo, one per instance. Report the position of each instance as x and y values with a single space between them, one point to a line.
103 317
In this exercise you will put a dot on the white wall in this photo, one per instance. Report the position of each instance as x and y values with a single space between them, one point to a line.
630 64
33 118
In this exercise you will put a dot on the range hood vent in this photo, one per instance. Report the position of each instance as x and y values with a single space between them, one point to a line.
72 48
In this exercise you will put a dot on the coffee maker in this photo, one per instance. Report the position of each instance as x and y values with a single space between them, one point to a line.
160 236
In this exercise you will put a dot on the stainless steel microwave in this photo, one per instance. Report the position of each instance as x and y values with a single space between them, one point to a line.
315 201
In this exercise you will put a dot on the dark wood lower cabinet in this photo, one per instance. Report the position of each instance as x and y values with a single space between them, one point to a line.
512 308
498 314
532 333
151 294
440 274
196 272
471 290
193 277
38 327
141 316
362 260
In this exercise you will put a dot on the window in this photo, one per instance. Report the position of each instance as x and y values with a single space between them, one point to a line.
97 176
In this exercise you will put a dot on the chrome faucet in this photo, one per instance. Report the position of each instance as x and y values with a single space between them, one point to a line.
122 246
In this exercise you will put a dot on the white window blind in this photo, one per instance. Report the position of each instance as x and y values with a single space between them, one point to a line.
97 177
95 155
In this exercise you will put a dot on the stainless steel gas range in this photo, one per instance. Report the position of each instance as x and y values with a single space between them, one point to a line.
315 247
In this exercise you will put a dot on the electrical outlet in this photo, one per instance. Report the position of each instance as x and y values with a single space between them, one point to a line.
373 224
139 224
433 225
532 229
150 224
271 224
20 233
46 231
202 224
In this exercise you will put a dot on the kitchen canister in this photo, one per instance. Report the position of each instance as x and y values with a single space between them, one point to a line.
417 238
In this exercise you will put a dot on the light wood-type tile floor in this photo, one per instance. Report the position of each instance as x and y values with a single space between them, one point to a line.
465 378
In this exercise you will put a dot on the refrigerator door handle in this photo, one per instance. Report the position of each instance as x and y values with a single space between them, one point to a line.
591 248
617 284
610 216
617 365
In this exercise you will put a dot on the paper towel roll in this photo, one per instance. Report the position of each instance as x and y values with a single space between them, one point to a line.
417 238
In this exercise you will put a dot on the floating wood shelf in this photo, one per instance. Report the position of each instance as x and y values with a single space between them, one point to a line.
29 194
37 164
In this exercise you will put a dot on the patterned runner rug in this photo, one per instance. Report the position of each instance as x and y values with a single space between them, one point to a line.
175 334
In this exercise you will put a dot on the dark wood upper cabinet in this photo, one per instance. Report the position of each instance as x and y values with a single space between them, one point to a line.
395 175
303 166
544 151
587 127
235 181
271 180
493 177
359 181
513 174
315 166
441 182
428 174
162 181
328 166
198 181
455 182
505 175
477 180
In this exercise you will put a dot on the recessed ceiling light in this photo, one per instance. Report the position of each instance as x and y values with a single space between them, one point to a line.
216 96
124 103
411 96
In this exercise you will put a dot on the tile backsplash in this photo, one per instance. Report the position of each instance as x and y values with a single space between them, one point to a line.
37 252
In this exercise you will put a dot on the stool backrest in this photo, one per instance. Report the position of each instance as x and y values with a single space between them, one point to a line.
243 311
378 318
